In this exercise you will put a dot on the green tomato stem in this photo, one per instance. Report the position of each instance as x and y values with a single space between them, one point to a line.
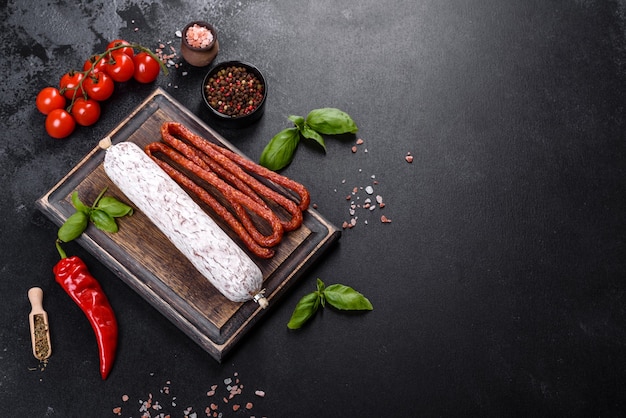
86 73
153 55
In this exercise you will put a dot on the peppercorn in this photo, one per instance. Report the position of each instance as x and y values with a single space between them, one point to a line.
233 91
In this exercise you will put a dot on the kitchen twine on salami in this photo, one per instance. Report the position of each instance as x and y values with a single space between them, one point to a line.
261 299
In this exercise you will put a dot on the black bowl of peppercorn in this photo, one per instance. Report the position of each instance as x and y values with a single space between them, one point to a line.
235 92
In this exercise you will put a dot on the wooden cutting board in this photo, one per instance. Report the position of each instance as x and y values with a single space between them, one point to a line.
145 260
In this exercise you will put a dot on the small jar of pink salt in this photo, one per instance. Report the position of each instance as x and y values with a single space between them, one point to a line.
199 45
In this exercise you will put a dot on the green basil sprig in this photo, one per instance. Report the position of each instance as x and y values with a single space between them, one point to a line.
337 295
102 213
279 152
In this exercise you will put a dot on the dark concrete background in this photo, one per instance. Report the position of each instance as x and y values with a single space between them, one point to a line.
498 288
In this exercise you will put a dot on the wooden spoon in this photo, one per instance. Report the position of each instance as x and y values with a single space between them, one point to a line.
39 329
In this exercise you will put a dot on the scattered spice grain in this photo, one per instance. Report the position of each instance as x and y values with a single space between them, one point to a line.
354 197
167 54
155 406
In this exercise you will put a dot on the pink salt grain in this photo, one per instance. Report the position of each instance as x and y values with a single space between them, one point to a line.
198 36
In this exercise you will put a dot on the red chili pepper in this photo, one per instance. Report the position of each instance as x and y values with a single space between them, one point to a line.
74 277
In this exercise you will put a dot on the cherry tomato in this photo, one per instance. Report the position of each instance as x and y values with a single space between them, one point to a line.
146 68
121 67
99 86
128 50
70 83
48 99
59 123
86 112
100 65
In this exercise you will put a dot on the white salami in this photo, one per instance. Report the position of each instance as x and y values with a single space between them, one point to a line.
211 251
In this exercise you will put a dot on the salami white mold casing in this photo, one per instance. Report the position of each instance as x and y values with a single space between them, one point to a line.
211 251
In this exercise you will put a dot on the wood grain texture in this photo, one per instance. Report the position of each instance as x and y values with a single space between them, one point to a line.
150 264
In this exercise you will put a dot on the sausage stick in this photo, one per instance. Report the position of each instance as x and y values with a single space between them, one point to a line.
234 163
237 199
207 163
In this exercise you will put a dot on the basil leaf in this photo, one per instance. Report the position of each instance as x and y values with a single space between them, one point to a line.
73 226
305 309
331 121
309 133
279 151
114 207
80 206
103 221
298 121
346 298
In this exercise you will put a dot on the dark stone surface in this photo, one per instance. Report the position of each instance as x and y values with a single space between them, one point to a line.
498 287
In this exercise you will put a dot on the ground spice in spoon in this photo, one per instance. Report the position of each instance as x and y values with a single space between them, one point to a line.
42 348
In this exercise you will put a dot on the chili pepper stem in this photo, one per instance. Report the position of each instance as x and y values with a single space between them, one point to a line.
60 249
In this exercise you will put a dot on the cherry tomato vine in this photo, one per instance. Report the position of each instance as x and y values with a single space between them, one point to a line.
95 83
